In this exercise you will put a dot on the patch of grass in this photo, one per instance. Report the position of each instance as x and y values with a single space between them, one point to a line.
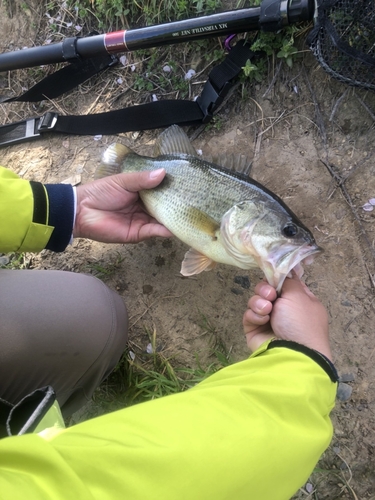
125 14
215 341
15 261
147 374
108 269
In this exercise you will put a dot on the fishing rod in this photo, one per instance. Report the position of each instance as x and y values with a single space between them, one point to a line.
271 15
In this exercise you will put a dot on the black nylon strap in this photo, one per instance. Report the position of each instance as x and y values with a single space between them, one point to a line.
143 117
232 64
64 80
149 116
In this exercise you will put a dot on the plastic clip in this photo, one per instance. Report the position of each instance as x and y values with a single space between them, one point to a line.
210 99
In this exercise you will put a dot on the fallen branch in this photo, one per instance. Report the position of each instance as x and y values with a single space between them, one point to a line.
338 179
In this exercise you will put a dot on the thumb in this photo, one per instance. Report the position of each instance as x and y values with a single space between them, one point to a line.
294 285
136 181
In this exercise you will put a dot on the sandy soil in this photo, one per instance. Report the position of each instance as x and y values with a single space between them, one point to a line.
291 135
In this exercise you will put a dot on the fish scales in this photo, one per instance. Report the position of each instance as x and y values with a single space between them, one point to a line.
195 182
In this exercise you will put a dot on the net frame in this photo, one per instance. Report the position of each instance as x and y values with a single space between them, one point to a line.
343 40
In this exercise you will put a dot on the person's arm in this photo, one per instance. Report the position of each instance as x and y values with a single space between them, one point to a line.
34 216
254 429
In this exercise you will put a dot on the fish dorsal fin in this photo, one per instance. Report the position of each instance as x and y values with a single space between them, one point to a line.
112 159
195 262
174 140
235 162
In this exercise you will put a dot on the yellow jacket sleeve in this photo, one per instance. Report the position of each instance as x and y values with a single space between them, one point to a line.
34 216
254 430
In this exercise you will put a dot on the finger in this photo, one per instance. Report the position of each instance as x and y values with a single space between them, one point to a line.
251 320
136 181
152 231
294 285
266 291
259 305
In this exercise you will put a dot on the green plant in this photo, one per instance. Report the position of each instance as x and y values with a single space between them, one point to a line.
107 269
133 13
252 71
267 44
144 375
287 51
14 261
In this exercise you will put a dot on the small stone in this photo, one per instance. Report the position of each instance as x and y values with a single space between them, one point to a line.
346 303
347 377
344 391
4 260
361 292
147 289
236 291
243 281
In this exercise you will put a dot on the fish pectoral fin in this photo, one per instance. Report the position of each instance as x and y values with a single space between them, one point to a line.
112 159
174 140
195 262
202 222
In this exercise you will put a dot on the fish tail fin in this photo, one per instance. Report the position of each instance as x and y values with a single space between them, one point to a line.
112 159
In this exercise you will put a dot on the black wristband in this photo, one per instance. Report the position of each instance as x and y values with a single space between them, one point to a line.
61 215
319 358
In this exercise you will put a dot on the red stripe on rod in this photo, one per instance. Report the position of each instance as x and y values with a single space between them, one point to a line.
115 42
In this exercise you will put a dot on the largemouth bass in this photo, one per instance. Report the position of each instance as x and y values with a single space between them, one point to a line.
224 216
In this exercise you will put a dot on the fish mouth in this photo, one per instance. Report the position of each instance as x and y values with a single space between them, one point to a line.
277 267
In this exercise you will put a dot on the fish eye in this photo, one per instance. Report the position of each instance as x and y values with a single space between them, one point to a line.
290 230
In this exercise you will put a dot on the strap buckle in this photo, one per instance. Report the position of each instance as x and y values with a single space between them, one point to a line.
47 122
210 99
27 130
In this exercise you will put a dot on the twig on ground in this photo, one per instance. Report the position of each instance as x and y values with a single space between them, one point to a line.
318 115
365 106
347 481
338 179
352 171
337 104
370 276
273 79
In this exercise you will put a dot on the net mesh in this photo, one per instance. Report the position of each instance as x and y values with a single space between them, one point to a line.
343 40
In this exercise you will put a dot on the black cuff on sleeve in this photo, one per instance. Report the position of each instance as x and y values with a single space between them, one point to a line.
61 215
319 358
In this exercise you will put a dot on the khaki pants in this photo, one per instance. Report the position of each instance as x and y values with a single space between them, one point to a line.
61 329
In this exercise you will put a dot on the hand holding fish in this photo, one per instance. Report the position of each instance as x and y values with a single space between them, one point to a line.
109 210
296 315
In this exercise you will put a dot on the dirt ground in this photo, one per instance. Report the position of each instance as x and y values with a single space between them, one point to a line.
294 130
